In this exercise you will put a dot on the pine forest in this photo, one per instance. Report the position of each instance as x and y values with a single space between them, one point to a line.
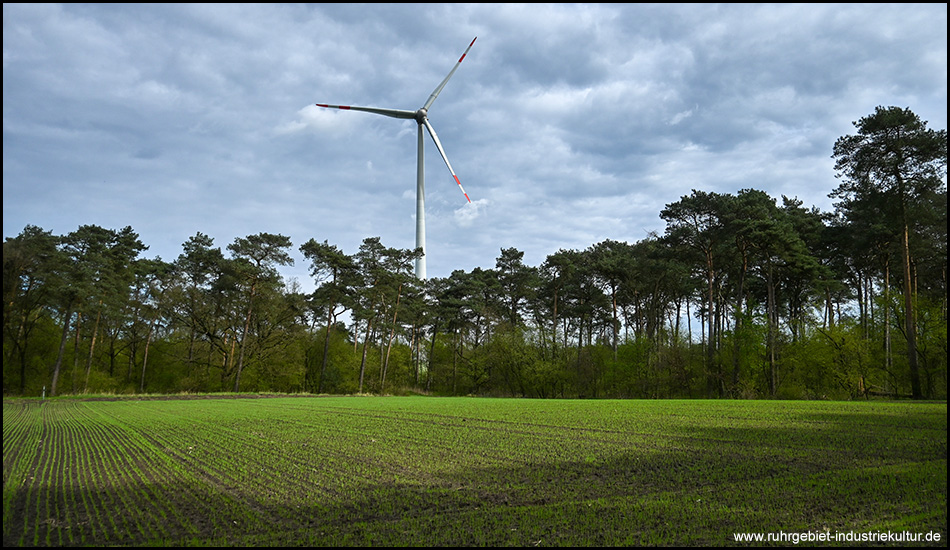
743 295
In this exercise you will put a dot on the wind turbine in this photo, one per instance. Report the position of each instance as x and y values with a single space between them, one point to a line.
422 119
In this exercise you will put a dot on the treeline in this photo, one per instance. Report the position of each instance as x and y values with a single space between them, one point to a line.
742 296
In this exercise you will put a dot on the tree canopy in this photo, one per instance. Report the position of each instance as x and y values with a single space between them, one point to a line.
743 295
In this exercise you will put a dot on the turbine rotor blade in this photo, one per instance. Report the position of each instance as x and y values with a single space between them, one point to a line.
395 113
438 146
438 90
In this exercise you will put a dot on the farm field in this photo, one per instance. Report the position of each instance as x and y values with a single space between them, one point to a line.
428 471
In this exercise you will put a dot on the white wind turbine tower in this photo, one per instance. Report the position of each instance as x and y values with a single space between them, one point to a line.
422 119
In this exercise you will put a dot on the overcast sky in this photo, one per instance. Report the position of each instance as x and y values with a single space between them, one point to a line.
567 124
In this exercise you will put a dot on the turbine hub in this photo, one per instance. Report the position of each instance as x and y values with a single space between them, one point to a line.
421 115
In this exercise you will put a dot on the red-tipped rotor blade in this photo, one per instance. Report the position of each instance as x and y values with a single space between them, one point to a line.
438 90
438 146
395 113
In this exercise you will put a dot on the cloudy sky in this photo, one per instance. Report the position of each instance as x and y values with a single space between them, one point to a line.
567 124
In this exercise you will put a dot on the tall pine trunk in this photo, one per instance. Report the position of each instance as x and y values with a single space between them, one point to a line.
247 328
910 324
62 350
92 347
